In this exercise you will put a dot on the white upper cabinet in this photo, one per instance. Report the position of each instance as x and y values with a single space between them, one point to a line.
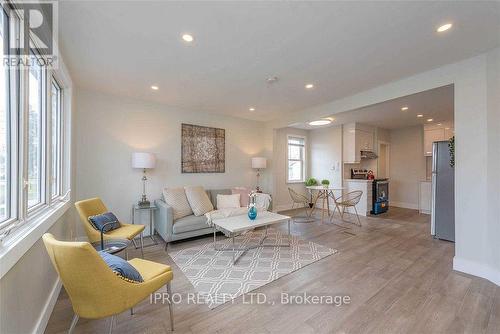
434 132
357 138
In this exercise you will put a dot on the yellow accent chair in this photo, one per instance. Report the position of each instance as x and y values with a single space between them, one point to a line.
95 206
94 289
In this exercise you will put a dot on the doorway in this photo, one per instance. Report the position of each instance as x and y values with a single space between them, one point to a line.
384 151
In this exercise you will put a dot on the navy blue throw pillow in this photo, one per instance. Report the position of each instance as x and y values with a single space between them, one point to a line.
121 267
98 221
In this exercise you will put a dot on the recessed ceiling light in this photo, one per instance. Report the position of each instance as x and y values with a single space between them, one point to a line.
404 108
420 115
251 109
439 124
446 128
155 87
188 38
309 86
320 122
430 119
444 27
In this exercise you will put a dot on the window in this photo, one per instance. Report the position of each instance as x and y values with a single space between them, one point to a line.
4 125
33 166
35 136
296 159
56 140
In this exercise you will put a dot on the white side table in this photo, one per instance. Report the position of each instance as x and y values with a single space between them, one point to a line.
151 208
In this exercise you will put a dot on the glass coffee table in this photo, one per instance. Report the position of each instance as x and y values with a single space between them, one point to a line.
112 246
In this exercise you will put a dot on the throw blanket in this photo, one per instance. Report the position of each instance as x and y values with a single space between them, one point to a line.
262 203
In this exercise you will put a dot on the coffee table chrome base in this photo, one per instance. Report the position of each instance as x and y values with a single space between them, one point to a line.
243 250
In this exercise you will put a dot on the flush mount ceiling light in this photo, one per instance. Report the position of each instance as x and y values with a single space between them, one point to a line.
320 122
444 27
309 86
272 79
155 87
251 109
430 119
188 38
404 108
420 115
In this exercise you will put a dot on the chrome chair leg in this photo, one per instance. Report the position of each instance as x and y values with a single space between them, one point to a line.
142 245
73 323
112 324
169 291
131 311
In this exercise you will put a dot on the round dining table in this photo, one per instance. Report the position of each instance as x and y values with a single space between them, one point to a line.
323 193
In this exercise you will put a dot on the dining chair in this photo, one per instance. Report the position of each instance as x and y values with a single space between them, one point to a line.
348 200
303 202
95 206
95 291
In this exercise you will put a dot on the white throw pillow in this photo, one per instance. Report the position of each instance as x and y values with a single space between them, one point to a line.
198 200
228 201
176 198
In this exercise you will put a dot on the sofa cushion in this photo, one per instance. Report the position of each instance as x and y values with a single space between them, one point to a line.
244 192
228 201
214 192
176 198
190 223
198 200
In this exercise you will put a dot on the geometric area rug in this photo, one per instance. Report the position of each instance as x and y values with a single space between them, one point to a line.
218 281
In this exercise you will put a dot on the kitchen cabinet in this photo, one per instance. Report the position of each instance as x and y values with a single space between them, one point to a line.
425 197
434 132
356 138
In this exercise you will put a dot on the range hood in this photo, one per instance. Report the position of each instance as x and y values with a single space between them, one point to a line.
368 155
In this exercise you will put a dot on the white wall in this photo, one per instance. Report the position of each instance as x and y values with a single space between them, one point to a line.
110 128
325 152
407 166
493 121
281 197
30 288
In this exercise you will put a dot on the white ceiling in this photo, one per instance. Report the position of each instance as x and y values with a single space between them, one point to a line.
437 104
124 47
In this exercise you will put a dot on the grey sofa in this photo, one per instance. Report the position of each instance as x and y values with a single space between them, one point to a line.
186 227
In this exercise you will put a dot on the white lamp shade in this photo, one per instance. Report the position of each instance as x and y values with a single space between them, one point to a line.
259 163
143 160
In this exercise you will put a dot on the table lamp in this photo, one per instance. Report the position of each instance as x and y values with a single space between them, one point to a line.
259 163
143 161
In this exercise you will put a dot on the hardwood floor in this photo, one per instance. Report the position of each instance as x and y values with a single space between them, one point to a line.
399 279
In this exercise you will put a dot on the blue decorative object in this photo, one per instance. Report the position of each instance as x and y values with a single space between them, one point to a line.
121 267
252 212
100 222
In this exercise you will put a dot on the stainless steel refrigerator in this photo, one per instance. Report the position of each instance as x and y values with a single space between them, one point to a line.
443 193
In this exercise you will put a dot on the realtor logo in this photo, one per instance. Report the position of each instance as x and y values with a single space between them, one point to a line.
37 25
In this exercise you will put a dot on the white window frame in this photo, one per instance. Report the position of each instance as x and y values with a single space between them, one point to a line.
25 227
303 161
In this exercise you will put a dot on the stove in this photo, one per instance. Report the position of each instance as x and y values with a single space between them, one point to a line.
380 196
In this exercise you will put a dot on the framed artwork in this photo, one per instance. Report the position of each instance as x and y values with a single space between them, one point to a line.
203 149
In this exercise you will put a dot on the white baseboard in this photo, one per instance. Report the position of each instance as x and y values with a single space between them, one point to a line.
43 320
404 205
476 269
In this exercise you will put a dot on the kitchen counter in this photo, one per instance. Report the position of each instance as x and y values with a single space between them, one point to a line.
358 180
365 203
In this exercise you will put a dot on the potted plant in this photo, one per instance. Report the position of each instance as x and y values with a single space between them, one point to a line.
311 182
325 183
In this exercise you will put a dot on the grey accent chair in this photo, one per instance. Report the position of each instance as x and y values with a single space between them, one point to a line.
186 227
